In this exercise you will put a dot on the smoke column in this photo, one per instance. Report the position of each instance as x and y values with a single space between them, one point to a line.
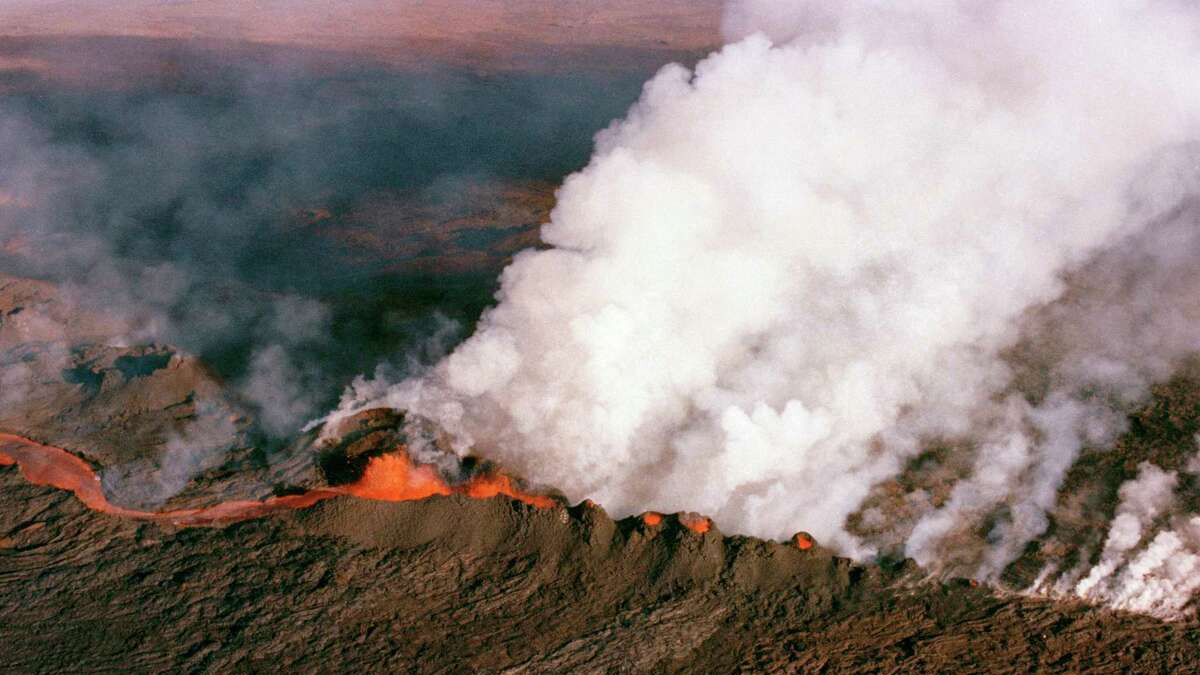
784 272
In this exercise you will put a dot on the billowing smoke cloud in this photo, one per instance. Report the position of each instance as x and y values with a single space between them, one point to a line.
784 273
215 198
1128 319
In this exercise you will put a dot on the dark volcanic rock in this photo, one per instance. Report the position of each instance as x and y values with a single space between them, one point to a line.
457 585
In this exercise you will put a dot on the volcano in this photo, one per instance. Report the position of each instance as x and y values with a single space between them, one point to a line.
453 582
402 571
511 336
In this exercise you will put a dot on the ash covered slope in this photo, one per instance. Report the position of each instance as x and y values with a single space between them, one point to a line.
457 585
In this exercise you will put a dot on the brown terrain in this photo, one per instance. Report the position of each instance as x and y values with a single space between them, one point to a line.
455 584
338 575
309 556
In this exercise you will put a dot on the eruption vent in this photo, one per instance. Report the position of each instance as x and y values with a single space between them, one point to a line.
784 272
392 477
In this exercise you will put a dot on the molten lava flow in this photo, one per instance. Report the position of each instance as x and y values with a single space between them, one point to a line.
803 540
695 522
485 487
393 478
55 467
390 477
652 519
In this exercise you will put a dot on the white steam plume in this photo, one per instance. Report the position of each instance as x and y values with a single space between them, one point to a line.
783 271
1142 501
1151 559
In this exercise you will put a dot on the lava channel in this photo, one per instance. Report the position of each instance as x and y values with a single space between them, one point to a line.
390 477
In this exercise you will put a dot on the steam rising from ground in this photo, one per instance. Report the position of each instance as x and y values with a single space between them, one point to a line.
214 197
1150 561
784 273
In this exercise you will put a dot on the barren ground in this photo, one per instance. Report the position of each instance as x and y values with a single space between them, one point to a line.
458 585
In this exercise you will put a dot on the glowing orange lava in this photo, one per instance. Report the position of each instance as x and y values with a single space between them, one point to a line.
803 540
695 522
390 477
486 487
393 478
55 467
652 519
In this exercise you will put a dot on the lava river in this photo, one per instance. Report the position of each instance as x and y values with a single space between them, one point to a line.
390 477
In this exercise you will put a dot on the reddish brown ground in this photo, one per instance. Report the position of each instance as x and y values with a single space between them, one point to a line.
493 32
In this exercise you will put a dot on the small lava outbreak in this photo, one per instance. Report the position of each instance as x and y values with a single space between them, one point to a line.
803 541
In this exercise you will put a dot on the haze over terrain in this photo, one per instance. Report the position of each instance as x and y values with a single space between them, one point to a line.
487 33
874 329
287 214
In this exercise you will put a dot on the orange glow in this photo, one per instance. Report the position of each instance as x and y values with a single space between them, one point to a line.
55 467
390 477
486 487
651 518
803 540
393 478
695 522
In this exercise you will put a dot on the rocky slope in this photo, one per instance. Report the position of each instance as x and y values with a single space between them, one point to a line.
454 584
451 584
